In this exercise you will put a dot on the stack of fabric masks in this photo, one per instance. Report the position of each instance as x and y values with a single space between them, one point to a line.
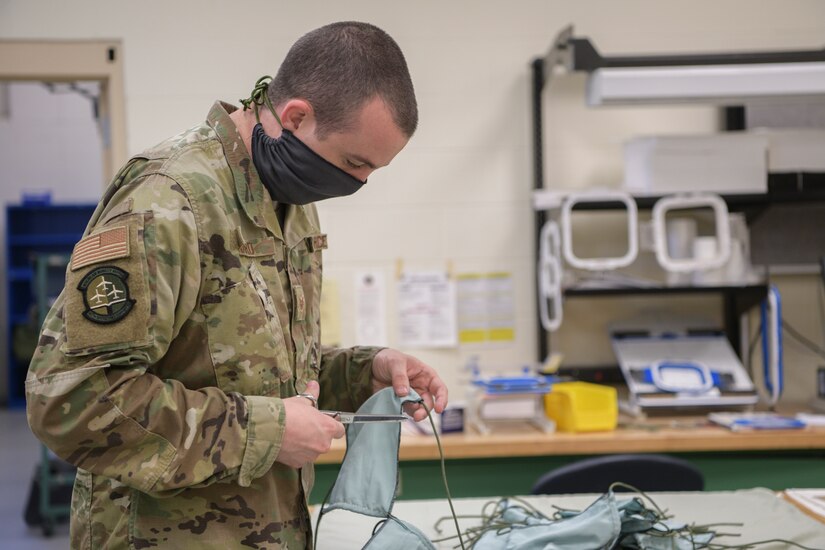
607 523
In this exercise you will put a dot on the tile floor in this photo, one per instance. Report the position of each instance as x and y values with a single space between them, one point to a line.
19 455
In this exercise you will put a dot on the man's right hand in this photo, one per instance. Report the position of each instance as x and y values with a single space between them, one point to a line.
308 433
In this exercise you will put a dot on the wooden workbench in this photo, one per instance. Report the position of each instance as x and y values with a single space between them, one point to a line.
509 460
662 436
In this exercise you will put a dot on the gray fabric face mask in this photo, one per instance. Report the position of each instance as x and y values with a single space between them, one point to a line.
604 524
368 478
596 527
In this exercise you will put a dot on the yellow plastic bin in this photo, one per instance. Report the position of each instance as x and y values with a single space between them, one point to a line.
582 407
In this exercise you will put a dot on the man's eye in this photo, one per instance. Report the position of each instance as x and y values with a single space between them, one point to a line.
352 164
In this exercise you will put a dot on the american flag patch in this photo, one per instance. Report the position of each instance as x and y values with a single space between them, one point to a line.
106 245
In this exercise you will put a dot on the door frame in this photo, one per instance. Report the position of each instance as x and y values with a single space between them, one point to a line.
71 61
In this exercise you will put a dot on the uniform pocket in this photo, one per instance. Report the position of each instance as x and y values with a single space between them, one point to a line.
271 312
246 346
306 257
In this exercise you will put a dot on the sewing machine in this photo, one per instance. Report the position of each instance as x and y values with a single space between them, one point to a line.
678 365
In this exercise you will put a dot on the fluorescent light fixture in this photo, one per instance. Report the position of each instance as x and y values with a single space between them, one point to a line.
731 84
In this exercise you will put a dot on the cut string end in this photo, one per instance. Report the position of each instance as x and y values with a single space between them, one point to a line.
258 97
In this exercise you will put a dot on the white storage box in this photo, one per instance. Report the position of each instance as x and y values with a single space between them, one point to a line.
801 150
719 163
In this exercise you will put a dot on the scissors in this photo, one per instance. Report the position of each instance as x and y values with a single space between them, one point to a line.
353 418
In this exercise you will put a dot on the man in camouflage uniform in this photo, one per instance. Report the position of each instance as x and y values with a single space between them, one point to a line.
169 369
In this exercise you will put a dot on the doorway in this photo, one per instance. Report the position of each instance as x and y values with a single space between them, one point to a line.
63 123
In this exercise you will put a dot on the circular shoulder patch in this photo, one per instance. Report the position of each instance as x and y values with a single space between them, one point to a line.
105 295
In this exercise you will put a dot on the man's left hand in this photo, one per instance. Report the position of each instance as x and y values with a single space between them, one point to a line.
401 371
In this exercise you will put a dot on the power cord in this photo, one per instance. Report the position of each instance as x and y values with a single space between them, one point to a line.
796 335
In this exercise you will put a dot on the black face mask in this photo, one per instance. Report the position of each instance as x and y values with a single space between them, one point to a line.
295 174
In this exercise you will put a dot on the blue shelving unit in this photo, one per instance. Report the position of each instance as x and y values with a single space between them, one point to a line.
33 230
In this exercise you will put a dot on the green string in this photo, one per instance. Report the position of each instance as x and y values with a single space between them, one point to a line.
662 514
491 520
444 474
260 97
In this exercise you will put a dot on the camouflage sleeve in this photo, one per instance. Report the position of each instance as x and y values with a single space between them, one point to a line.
92 396
346 377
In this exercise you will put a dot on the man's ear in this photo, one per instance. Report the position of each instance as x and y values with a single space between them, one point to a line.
295 113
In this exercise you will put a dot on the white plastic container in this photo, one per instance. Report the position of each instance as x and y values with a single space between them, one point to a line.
719 163
801 150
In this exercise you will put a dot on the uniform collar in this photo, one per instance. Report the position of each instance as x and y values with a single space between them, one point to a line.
251 193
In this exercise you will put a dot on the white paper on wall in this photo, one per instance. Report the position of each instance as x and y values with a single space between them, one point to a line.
486 308
427 310
370 309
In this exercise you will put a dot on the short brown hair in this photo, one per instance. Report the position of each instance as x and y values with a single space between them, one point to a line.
339 67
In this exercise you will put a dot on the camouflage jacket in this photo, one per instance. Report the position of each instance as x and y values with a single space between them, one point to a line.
187 316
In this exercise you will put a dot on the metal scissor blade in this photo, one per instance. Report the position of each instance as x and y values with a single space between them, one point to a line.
354 418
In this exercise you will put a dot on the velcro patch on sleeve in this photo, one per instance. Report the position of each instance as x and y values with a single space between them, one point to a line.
107 245
106 295
108 305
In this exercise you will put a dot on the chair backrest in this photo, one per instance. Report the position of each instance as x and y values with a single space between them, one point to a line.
647 472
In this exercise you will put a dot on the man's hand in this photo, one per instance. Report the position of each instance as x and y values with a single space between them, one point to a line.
308 433
399 370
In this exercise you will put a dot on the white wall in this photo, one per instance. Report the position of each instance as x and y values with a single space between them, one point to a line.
461 191
49 141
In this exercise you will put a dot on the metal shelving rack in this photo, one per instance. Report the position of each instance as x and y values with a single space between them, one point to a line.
579 55
32 230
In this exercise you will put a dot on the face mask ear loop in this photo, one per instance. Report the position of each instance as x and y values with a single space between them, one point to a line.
272 110
260 97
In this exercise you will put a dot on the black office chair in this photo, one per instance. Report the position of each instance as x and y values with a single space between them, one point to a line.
647 472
